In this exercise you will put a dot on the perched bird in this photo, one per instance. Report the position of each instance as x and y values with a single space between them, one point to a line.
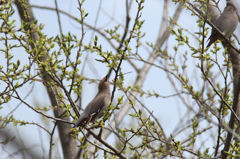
98 104
227 23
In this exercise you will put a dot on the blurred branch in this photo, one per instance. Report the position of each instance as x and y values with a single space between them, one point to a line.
15 144
58 17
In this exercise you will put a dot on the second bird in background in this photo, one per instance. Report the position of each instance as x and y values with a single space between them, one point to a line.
227 23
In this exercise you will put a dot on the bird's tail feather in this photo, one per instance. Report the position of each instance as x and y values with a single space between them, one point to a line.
81 120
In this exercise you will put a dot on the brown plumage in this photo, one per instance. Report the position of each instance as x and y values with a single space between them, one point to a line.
227 23
98 104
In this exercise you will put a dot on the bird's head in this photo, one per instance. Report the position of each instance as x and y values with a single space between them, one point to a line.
231 5
104 83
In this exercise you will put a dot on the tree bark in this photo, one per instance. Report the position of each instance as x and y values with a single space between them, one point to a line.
235 59
68 143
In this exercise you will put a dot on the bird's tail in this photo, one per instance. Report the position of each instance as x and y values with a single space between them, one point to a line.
211 41
81 121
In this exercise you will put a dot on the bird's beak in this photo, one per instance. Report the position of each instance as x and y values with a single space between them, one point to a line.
108 75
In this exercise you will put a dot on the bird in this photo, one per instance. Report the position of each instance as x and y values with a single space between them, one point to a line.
95 109
227 23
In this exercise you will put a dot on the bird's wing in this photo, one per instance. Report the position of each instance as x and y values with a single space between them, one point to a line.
94 109
222 23
226 22
96 104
